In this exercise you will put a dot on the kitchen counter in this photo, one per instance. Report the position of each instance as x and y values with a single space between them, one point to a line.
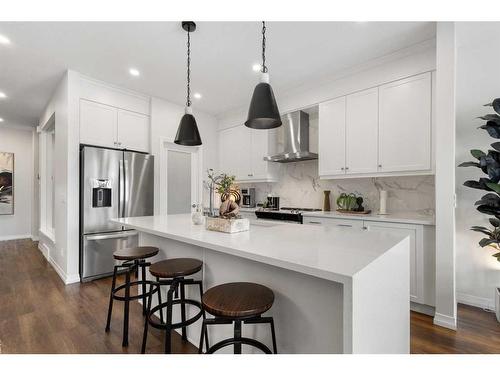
347 273
403 217
393 217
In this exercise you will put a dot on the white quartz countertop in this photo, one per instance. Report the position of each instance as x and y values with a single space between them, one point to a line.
332 253
393 217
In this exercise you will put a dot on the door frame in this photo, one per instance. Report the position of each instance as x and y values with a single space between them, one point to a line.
196 172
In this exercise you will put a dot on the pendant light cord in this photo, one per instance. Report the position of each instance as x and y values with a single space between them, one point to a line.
188 101
264 67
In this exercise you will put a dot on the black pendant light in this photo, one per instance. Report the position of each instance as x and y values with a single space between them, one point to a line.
187 132
263 112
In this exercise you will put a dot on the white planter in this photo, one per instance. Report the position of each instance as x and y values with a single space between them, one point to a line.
227 225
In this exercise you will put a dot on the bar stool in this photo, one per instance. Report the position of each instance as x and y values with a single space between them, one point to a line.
133 258
172 273
237 303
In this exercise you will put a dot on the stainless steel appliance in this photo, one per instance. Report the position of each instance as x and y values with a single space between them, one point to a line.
113 183
295 139
248 197
289 214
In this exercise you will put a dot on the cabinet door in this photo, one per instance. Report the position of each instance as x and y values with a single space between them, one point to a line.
228 148
235 146
362 132
259 149
133 131
405 125
97 124
331 143
334 222
416 253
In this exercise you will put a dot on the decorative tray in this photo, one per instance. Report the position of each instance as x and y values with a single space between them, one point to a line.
220 224
365 212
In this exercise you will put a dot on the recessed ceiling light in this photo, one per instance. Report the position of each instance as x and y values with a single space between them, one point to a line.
134 72
4 39
1 119
2 95
256 67
197 95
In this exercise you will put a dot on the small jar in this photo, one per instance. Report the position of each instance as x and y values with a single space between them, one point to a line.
197 216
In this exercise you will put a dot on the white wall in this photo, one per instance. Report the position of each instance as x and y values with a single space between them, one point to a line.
165 117
19 140
56 248
478 82
446 309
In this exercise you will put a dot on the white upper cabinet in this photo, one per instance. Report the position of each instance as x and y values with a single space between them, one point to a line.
361 132
107 126
405 125
97 124
133 131
382 131
242 151
332 137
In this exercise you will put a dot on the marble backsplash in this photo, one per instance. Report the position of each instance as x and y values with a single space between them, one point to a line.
299 186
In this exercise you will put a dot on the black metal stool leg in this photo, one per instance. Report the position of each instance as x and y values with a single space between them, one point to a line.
237 336
273 334
143 288
203 335
183 309
110 307
168 331
126 308
146 321
159 299
200 284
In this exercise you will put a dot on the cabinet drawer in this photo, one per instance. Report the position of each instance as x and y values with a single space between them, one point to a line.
334 222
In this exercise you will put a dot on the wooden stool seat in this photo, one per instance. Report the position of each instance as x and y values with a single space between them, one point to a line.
134 253
238 300
177 267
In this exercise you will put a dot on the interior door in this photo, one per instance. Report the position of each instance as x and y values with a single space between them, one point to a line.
180 179
362 132
405 125
137 176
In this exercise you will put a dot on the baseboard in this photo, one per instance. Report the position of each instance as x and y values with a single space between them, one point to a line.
15 237
422 309
481 302
44 249
35 238
445 321
72 279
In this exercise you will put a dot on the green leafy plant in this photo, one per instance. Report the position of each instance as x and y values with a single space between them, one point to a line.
489 163
221 182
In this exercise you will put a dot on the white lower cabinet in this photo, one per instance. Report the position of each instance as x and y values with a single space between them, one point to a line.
422 251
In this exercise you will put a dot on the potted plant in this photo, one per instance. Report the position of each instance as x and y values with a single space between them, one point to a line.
489 163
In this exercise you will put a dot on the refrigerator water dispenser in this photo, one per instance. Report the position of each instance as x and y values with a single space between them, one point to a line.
101 193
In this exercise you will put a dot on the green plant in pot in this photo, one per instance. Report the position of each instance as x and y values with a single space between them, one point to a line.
489 163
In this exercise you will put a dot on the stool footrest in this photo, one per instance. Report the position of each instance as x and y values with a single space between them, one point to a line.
174 325
137 296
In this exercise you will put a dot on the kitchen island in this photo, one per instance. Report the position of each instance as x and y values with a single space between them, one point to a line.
337 290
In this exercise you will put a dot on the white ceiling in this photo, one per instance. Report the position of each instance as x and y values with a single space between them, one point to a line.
222 57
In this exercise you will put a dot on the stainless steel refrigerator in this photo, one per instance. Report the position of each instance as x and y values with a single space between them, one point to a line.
113 183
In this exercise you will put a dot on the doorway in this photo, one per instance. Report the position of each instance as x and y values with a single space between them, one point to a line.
180 178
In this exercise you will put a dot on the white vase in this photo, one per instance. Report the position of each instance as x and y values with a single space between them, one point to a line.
197 218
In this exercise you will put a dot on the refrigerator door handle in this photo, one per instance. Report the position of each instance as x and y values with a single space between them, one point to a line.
98 237
121 189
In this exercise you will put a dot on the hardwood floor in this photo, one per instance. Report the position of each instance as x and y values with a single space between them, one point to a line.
39 314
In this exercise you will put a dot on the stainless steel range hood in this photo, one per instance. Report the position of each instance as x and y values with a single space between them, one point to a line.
295 139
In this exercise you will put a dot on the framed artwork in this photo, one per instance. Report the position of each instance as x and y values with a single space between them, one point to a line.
6 183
